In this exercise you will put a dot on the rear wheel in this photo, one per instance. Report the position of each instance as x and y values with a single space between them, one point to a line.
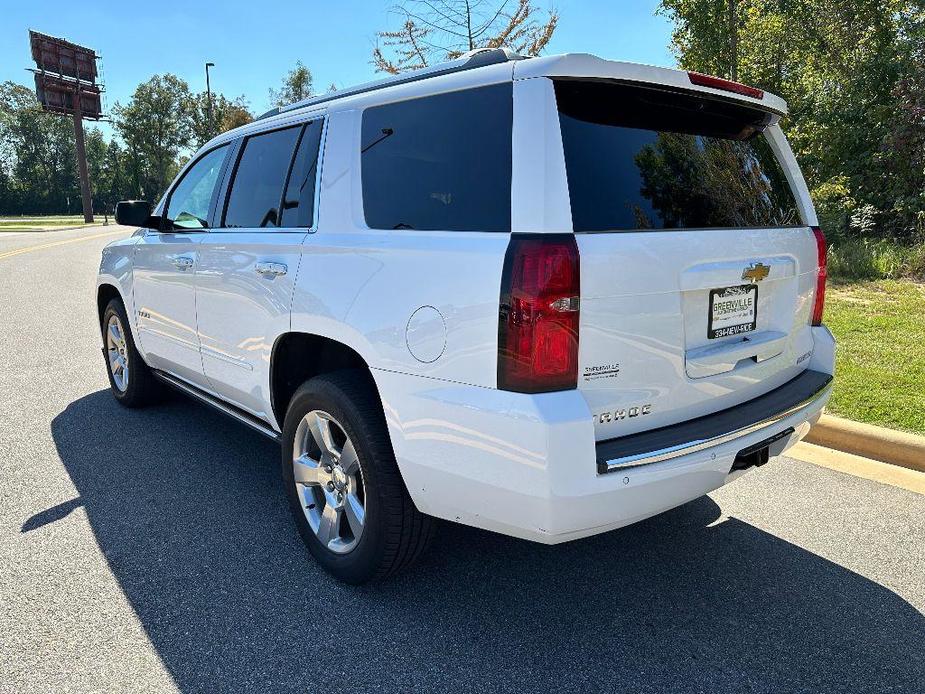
340 475
130 379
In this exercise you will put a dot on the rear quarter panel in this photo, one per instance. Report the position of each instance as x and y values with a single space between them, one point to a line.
361 286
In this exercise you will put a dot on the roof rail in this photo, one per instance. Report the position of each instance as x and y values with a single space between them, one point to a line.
480 57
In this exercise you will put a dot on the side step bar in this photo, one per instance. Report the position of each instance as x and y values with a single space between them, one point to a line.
215 403
665 443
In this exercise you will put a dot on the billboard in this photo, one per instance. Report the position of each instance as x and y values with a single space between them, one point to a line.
57 95
63 58
64 70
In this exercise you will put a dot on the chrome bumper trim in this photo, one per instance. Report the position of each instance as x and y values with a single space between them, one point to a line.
688 447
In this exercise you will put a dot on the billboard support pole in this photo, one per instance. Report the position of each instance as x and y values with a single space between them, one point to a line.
82 160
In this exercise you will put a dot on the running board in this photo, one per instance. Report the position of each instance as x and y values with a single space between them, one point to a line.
215 403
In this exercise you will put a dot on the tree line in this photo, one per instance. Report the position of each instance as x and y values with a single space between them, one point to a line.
853 74
852 71
156 130
163 121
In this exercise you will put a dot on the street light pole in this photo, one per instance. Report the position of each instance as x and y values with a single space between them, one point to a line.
209 91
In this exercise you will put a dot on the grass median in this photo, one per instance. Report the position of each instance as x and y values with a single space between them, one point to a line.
41 222
880 364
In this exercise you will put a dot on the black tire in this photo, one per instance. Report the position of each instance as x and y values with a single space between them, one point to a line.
142 388
395 533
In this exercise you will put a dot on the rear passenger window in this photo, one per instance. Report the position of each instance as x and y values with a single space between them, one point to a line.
440 162
258 182
299 203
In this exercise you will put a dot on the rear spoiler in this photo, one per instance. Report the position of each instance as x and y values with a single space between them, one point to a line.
586 66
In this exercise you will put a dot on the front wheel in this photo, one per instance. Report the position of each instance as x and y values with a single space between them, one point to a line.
130 379
345 491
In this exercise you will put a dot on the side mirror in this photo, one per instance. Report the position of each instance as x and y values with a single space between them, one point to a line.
136 213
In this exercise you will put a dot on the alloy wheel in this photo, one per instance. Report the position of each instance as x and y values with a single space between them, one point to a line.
117 352
329 481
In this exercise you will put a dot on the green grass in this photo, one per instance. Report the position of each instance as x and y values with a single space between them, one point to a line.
872 259
30 222
880 362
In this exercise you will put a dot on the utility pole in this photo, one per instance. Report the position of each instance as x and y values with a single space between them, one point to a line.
209 91
82 173
733 42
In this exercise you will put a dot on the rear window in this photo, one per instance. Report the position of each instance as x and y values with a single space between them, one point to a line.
640 158
257 187
440 162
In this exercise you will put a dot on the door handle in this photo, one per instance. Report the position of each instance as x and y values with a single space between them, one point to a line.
182 262
271 269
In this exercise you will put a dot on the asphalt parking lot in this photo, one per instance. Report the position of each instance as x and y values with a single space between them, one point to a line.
152 551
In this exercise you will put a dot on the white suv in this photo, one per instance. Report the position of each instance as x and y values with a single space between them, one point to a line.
545 297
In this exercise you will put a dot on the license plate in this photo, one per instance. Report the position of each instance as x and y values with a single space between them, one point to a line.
733 310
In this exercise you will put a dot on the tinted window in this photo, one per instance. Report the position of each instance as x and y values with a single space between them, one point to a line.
642 158
257 188
440 162
188 206
299 203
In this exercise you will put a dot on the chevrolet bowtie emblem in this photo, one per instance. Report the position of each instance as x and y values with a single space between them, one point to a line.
756 272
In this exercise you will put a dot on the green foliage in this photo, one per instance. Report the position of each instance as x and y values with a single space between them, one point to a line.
298 85
853 73
155 126
873 259
224 114
37 155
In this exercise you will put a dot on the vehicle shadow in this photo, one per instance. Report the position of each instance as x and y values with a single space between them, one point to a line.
186 508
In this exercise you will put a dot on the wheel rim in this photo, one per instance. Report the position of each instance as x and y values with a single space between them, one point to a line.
117 352
329 481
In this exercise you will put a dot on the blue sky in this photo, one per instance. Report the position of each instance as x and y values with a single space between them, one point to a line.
253 43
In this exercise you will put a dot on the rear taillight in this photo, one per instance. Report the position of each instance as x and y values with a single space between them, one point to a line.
538 317
702 80
821 251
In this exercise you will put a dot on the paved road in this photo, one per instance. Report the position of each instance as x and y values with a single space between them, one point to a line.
151 551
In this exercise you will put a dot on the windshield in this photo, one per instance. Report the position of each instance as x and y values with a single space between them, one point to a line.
640 158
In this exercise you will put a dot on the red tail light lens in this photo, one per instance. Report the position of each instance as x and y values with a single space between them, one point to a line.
538 317
702 80
821 249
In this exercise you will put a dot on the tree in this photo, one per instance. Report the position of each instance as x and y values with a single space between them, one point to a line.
840 65
96 148
37 149
112 181
297 85
155 126
224 115
437 30
236 115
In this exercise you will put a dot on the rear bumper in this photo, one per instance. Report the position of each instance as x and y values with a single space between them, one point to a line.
762 414
528 465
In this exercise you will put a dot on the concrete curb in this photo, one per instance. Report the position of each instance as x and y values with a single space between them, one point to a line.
878 443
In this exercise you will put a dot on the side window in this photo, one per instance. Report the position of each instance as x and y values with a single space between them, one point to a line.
257 187
440 162
299 201
188 206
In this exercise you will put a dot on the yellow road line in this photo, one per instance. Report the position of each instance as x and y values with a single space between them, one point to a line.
855 465
29 249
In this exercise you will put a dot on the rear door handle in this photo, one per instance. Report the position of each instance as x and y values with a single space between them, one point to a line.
271 269
182 262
